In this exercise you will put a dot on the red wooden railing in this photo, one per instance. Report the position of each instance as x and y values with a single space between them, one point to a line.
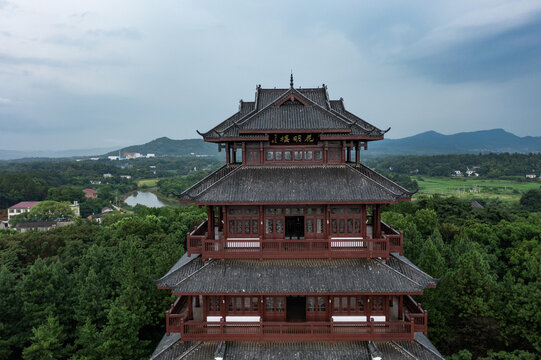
396 239
305 331
280 248
414 312
333 247
176 315
195 239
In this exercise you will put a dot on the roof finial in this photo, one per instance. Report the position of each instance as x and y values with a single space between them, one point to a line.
291 79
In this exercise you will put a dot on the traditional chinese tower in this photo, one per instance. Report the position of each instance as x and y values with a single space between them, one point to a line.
294 261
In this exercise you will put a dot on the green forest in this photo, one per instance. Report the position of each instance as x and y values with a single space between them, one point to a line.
86 291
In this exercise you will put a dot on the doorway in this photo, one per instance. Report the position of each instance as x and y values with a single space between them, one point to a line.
294 227
296 308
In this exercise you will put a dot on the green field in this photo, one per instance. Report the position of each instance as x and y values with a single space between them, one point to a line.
147 183
470 187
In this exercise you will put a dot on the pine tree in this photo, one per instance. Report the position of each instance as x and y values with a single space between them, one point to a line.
47 342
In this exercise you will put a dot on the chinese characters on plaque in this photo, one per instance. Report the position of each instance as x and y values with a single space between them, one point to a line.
301 139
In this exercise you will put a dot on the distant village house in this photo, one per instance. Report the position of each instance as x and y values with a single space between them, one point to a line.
531 176
20 208
90 193
132 155
41 225
3 219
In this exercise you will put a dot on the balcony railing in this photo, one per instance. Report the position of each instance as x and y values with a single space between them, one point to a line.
176 315
389 241
291 331
195 239
414 312
396 239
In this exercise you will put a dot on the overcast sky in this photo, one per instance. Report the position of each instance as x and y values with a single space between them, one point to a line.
91 74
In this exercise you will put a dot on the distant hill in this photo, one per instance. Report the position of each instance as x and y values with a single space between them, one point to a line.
433 143
165 146
427 143
40 154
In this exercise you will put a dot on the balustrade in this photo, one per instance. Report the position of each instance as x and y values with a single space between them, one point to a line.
305 331
333 247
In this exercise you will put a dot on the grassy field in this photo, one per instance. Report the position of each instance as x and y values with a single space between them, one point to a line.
462 187
147 183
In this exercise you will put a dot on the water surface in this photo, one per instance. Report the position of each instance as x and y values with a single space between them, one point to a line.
146 198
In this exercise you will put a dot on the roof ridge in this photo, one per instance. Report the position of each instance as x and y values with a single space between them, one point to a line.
196 271
189 350
284 95
171 271
235 166
402 350
412 266
429 349
221 179
377 174
398 272
372 180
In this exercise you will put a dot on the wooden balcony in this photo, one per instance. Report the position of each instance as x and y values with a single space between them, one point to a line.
389 241
292 331
413 312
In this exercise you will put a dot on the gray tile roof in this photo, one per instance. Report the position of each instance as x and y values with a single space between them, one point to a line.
398 350
341 350
403 265
273 276
294 184
318 114
185 267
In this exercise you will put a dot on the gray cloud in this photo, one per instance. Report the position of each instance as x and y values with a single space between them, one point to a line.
500 56
138 71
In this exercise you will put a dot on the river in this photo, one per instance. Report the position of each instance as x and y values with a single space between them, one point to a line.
146 198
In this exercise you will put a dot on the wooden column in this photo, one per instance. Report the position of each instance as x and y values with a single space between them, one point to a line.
226 224
401 307
190 307
227 154
261 223
363 220
348 154
244 153
210 214
223 305
326 152
234 154
220 218
377 221
357 154
205 307
327 222
261 152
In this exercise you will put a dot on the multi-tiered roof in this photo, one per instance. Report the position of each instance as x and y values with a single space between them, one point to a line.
294 260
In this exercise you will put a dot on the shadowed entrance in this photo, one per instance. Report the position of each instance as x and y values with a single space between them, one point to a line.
294 227
296 308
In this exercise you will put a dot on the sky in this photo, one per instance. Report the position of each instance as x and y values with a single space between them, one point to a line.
101 74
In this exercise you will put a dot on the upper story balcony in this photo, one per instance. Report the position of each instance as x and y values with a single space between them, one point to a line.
374 243
192 317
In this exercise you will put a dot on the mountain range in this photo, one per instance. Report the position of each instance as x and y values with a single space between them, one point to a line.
427 143
434 143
